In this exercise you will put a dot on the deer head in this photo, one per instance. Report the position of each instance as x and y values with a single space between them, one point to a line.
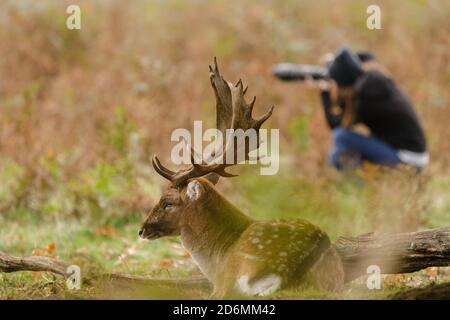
189 187
175 205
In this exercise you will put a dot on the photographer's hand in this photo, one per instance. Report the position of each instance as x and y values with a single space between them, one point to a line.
323 85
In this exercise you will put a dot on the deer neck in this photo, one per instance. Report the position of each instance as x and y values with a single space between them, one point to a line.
209 229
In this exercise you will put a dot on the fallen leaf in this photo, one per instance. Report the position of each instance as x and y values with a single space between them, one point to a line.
432 272
38 252
166 263
50 248
105 231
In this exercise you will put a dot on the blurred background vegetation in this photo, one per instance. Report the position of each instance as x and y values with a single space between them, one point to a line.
82 111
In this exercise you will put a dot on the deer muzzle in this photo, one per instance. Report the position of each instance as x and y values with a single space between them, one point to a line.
149 232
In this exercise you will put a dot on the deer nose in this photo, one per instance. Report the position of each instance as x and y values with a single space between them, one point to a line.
141 232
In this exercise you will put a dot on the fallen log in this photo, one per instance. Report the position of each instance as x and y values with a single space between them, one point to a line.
396 253
34 263
431 292
45 264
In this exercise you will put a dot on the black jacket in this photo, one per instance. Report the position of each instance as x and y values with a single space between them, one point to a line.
385 110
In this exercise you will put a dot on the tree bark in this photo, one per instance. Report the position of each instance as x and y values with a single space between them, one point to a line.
431 292
396 253
11 264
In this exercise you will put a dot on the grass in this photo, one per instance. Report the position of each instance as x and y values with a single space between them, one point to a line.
97 249
83 111
110 245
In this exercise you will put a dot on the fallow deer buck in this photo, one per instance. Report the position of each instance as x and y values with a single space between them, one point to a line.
238 254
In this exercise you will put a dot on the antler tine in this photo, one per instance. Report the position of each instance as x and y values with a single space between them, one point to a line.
221 172
193 155
263 119
252 103
163 171
216 66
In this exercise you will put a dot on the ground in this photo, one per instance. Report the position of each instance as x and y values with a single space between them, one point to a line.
112 246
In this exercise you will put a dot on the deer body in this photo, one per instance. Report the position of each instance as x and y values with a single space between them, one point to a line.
238 254
243 256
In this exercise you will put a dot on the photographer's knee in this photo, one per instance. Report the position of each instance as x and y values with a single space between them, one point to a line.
341 136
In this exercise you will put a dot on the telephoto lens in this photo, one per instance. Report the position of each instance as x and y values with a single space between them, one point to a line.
299 72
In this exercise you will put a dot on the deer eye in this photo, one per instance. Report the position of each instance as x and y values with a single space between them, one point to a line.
167 206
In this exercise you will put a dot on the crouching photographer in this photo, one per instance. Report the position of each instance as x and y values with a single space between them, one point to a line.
355 89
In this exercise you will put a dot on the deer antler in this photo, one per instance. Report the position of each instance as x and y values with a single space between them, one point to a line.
232 112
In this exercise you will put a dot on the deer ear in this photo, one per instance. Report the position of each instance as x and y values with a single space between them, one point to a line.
194 190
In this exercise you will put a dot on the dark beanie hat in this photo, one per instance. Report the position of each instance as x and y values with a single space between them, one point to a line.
345 67
365 56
